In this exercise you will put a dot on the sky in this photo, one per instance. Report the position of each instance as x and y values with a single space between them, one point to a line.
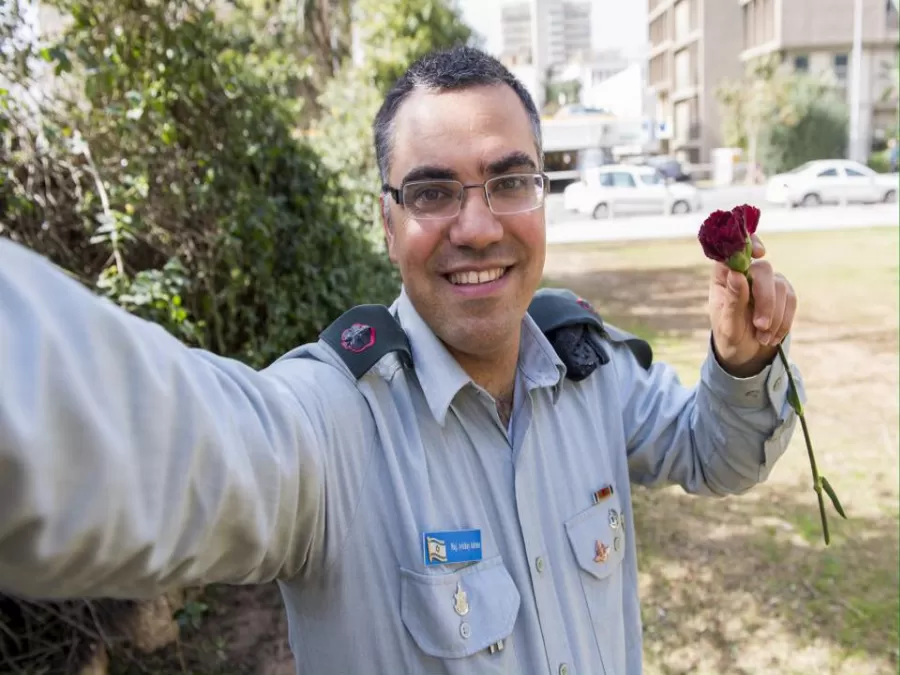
614 23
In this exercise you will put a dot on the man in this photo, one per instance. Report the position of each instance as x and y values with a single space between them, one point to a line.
461 504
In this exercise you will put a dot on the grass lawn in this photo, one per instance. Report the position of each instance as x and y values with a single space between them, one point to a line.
746 586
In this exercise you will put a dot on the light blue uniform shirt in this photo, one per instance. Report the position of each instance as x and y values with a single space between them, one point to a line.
132 464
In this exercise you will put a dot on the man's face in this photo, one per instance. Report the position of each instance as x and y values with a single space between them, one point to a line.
470 135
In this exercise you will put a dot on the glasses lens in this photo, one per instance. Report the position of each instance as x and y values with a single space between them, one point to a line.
515 193
432 199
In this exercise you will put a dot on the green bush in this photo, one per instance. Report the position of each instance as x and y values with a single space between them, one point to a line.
170 179
878 161
818 131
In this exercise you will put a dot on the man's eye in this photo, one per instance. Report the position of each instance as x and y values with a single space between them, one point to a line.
430 194
510 183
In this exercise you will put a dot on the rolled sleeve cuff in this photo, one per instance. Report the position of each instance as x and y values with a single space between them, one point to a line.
767 388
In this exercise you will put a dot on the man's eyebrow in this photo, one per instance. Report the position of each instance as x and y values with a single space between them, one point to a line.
513 160
429 172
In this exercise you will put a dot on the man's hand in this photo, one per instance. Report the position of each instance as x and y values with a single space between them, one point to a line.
745 335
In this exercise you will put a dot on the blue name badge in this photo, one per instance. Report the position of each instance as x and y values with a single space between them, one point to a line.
448 548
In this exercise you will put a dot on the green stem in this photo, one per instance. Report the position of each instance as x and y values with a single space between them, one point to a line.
794 399
793 396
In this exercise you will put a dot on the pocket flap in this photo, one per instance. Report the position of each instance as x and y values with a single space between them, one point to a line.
597 537
462 613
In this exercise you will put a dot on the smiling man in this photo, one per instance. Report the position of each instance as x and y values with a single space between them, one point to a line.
442 486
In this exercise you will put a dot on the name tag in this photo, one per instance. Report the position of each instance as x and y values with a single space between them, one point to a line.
448 548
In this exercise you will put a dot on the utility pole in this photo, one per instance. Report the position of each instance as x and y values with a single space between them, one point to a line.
856 150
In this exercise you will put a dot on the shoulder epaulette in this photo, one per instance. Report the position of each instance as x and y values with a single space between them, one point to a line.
577 331
361 336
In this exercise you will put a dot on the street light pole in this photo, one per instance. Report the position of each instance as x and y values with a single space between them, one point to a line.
856 150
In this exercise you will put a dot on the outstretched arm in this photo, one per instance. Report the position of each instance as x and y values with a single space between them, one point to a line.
130 463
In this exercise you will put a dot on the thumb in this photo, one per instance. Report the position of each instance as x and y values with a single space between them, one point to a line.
738 288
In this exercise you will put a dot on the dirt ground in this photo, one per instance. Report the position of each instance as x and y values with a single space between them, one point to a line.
743 586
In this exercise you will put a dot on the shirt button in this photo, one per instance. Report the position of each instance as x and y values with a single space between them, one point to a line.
564 669
465 630
539 565
777 383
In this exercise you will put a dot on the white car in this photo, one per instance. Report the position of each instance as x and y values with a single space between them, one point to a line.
623 189
831 181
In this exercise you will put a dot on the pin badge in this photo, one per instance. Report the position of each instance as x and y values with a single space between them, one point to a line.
601 552
496 647
614 519
460 601
603 493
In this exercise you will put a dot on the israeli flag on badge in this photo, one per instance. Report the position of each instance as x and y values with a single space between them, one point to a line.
448 548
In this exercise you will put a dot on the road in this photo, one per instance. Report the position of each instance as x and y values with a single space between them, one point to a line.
565 227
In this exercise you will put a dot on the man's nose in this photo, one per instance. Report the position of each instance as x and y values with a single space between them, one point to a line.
476 226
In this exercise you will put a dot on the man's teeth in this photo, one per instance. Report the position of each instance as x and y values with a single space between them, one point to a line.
462 278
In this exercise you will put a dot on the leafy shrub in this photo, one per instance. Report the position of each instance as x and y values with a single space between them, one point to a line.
172 181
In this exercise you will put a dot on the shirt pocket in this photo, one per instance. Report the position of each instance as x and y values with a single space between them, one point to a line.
461 613
597 537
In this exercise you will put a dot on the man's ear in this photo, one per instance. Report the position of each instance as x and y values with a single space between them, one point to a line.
388 226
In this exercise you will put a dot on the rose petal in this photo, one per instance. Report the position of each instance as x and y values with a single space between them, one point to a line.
748 215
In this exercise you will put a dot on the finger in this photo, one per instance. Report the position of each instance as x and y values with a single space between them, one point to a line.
759 249
770 337
790 311
763 294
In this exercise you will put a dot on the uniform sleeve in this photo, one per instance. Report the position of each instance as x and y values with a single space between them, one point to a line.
130 463
721 437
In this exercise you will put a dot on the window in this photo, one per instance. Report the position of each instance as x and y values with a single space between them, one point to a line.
856 173
654 178
801 63
840 67
622 179
827 173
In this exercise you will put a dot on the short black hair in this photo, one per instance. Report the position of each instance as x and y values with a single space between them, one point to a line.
460 67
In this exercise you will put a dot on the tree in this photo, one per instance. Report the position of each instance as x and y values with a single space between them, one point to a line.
761 97
819 131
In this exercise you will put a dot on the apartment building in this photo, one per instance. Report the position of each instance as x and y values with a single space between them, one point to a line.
563 32
694 44
817 36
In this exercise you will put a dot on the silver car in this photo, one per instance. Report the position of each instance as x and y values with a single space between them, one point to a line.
624 189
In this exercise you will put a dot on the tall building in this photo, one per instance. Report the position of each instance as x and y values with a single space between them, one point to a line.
817 36
693 45
562 31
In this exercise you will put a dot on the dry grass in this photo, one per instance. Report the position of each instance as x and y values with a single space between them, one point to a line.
746 586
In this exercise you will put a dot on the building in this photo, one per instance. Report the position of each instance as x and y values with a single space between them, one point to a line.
816 36
694 44
563 32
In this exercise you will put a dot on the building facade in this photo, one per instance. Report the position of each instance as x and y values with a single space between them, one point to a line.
694 44
816 36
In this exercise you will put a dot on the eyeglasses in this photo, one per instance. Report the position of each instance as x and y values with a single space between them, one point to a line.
505 195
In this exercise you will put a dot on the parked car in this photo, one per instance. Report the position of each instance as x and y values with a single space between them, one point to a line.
623 189
831 181
669 167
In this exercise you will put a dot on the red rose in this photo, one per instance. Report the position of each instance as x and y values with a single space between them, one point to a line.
748 216
724 239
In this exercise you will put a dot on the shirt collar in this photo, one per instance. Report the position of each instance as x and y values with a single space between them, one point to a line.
440 375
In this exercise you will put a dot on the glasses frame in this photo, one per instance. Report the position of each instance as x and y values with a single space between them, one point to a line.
397 192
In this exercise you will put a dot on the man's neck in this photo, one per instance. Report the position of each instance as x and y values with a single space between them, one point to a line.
495 373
